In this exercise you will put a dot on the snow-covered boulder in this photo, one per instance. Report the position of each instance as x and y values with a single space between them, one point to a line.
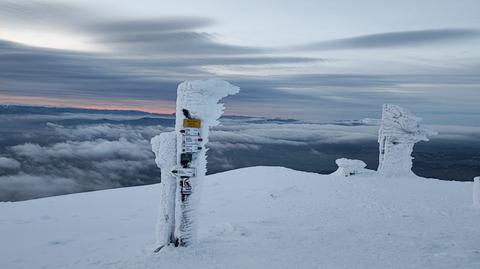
349 167
399 131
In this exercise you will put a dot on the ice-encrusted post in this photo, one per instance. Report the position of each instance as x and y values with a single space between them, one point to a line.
165 148
476 191
399 131
201 99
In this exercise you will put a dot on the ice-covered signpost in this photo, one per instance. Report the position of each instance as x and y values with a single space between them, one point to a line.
399 131
198 109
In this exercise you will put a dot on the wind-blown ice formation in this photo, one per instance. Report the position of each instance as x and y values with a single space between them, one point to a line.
348 167
165 148
399 131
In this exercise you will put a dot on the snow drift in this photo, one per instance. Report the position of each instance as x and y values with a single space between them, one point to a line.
259 217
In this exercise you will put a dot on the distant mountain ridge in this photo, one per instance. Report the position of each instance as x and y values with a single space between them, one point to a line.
45 110
147 116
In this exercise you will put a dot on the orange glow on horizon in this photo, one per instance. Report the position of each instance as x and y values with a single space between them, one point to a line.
161 107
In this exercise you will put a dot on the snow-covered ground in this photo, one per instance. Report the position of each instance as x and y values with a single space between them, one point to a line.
260 217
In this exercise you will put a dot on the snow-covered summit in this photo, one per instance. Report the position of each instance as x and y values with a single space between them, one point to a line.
259 217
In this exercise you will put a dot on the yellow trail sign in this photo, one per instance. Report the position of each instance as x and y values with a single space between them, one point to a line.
191 123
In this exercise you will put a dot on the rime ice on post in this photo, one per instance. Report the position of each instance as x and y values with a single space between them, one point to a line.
183 153
196 100
399 131
165 147
476 192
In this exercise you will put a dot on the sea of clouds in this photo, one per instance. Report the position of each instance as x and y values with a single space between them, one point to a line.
46 154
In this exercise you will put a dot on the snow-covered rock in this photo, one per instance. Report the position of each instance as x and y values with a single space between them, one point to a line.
399 131
258 217
349 167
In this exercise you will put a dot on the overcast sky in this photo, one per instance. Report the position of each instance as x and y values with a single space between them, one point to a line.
315 60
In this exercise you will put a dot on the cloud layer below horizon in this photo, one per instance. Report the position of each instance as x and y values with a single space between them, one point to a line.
44 154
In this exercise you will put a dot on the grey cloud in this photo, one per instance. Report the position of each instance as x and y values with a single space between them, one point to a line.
240 143
322 97
75 17
220 61
172 43
395 39
221 146
152 25
81 158
55 73
9 164
49 73
22 186
333 80
99 149
121 166
151 36
458 133
108 131
359 81
99 156
181 52
40 14
31 71
249 135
